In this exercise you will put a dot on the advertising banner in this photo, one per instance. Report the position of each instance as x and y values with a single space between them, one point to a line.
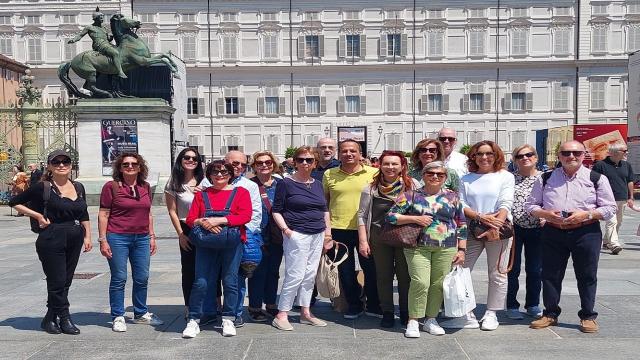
118 136
357 133
633 112
597 138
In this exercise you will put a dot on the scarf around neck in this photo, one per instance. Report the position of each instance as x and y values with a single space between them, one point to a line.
391 190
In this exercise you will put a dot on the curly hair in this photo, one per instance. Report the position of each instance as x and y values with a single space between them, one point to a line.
415 156
117 175
406 180
499 162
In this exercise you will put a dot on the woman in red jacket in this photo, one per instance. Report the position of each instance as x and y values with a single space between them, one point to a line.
210 262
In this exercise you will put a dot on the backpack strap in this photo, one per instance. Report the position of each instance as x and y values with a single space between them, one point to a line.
594 177
227 206
115 187
46 194
79 189
545 177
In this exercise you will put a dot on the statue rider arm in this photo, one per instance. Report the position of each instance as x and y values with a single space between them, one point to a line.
84 32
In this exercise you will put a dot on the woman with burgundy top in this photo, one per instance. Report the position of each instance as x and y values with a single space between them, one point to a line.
214 263
125 227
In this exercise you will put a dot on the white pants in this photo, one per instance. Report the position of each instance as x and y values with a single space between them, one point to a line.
301 259
612 226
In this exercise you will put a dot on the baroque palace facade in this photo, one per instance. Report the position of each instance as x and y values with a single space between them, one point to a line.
262 74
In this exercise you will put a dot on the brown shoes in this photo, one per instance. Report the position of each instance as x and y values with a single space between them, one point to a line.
543 322
588 326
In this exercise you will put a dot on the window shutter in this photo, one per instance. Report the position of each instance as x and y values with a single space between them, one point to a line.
220 106
260 105
445 103
424 102
507 102
363 46
323 105
342 46
465 103
281 106
302 106
201 109
383 45
403 45
241 106
341 104
321 45
529 104
300 47
487 102
363 104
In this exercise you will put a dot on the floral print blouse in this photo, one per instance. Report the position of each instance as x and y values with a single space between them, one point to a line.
445 208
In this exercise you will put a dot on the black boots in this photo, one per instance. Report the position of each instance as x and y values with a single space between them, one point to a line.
67 326
50 323
388 319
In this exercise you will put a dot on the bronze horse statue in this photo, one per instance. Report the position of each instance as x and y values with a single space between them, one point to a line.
133 51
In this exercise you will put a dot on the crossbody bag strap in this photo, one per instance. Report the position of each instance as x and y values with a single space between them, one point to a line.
227 206
45 197
265 198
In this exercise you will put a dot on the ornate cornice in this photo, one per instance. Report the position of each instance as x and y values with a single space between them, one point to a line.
187 29
477 25
68 30
32 30
269 28
434 25
229 29
600 21
520 23
352 27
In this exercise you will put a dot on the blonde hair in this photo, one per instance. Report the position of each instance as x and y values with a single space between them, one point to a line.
259 153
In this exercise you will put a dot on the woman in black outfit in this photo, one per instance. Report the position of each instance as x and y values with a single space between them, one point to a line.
63 233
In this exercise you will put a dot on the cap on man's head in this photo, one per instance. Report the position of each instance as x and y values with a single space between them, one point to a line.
55 153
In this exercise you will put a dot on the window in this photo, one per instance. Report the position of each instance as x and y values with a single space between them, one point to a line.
394 45
34 47
70 50
269 16
189 48
519 12
599 39
435 43
192 101
633 38
476 13
518 101
189 18
312 46
32 19
231 105
598 94
394 15
6 47
476 43
560 96
353 45
147 18
633 8
519 41
393 141
561 41
434 99
312 100
352 99
150 40
271 100
229 17
394 98
68 19
562 11
229 47
272 143
436 14
312 16
476 97
351 15
5 19
270 45
599 9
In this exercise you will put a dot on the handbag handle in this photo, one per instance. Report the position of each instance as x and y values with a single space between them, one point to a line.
335 254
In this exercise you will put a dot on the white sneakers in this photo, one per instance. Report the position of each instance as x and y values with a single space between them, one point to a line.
413 329
465 322
514 314
432 327
192 330
119 324
228 329
148 319
489 321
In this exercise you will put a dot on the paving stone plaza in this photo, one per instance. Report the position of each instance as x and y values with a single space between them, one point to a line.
23 295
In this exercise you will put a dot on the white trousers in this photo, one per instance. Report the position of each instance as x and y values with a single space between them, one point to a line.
301 259
612 226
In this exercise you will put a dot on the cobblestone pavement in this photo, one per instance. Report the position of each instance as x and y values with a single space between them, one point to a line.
23 293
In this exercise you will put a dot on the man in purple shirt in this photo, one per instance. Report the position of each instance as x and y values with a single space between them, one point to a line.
571 203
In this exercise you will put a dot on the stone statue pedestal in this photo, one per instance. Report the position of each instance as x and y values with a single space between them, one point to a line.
145 122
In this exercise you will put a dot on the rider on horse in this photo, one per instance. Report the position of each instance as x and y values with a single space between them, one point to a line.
101 41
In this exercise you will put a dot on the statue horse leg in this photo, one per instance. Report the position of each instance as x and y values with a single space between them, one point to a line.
90 84
156 59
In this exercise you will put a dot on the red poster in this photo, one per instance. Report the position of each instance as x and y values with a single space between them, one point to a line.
597 138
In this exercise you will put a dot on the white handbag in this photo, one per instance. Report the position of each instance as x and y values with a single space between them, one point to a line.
327 279
459 298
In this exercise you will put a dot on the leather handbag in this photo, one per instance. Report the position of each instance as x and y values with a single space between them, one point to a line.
227 238
401 236
477 228
327 279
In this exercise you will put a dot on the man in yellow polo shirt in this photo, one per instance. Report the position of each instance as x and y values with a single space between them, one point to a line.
342 187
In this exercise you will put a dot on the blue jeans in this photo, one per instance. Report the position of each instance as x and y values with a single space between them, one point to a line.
532 242
263 286
136 249
210 265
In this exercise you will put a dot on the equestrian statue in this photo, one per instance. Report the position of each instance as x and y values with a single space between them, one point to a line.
128 53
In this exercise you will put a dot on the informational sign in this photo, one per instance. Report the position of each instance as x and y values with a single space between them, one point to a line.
633 112
357 133
118 136
598 137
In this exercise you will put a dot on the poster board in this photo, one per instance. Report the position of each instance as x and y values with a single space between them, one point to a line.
117 136
598 137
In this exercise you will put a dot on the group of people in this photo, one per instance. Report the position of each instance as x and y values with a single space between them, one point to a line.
462 204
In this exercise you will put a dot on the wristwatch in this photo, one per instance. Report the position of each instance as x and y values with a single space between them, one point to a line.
464 250
590 215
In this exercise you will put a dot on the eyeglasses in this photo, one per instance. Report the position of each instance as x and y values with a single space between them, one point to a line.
57 162
327 147
576 153
219 172
440 175
301 160
130 165
482 154
527 155
263 163
428 150
189 158
623 151
447 138
238 164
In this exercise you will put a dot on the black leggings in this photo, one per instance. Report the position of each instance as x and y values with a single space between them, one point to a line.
58 248
188 262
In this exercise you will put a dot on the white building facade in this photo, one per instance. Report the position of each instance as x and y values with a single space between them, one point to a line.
254 68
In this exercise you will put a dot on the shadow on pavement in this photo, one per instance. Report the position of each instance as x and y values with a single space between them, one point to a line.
80 319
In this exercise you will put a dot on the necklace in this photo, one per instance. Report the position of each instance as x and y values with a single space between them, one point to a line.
306 183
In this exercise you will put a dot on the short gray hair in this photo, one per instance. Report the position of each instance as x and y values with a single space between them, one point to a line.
616 147
434 165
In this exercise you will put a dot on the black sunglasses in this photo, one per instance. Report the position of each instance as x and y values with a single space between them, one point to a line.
447 138
576 153
527 155
130 165
189 158
301 160
440 175
238 163
219 172
56 162
265 163
428 150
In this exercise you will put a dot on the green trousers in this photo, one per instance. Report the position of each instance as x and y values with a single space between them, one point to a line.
428 266
389 261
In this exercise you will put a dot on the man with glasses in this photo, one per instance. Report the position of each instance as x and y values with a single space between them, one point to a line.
453 160
572 199
620 175
326 148
342 188
238 161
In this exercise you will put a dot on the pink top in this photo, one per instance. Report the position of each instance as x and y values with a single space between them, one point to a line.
129 211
